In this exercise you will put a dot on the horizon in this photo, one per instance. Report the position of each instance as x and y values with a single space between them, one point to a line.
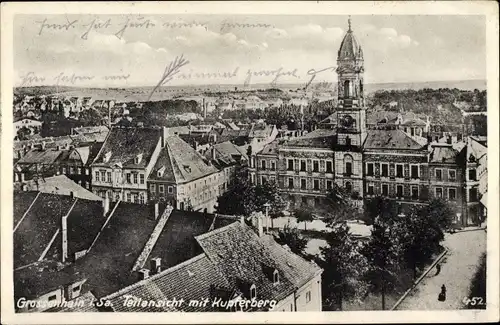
397 49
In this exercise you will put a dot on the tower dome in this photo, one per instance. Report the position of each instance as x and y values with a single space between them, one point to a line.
350 48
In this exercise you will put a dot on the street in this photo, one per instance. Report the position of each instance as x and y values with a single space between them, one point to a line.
457 270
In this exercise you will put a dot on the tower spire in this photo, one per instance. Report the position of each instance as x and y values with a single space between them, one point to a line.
349 22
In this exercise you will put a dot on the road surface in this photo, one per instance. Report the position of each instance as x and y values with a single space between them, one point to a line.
457 270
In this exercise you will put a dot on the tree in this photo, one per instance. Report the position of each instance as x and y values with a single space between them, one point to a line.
380 207
90 117
23 133
268 193
418 236
337 206
249 151
381 258
343 266
239 199
303 215
292 238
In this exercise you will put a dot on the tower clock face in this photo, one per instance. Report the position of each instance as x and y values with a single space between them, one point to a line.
347 121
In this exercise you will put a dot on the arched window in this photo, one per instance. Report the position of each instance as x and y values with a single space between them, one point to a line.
347 88
276 277
348 165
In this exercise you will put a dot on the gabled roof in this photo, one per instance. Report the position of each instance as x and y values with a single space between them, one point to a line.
242 257
181 162
37 156
475 148
261 131
390 140
193 279
125 143
270 149
37 225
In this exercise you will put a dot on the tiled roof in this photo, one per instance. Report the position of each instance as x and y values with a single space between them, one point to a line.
126 143
181 163
443 153
244 258
109 262
390 139
61 185
229 149
36 156
475 148
193 279
41 278
22 202
270 149
319 138
261 131
38 227
177 241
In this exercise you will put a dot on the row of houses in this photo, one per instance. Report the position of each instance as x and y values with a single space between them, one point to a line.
70 256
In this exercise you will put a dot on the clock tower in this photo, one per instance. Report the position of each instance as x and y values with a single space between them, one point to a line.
351 113
351 117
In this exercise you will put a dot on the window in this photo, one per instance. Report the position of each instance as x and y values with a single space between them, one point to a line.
290 164
385 170
302 165
161 188
129 181
76 288
472 174
316 202
452 194
141 198
290 183
473 194
170 189
109 176
399 190
399 170
103 176
96 176
308 296
141 178
369 169
370 190
329 167
253 292
414 192
263 164
385 189
129 197
52 298
71 170
304 200
316 184
87 171
348 168
272 179
452 174
347 141
276 277
273 165
439 174
439 192
328 185
303 184
152 188
135 178
316 166
348 187
414 171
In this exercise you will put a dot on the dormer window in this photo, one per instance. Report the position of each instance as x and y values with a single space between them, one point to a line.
138 159
161 171
107 156
253 291
187 168
276 277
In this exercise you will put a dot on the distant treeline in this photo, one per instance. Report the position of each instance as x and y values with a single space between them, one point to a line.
426 100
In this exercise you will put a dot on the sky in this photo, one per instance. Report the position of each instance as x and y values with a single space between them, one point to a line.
94 50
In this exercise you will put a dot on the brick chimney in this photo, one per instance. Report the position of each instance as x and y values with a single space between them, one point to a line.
143 274
164 136
155 265
213 153
105 206
64 236
156 211
260 227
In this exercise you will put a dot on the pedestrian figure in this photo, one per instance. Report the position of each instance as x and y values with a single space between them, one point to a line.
442 295
438 269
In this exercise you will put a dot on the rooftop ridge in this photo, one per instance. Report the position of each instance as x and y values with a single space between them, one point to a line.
216 231
155 276
104 225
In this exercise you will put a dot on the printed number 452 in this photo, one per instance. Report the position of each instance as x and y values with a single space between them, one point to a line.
473 301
